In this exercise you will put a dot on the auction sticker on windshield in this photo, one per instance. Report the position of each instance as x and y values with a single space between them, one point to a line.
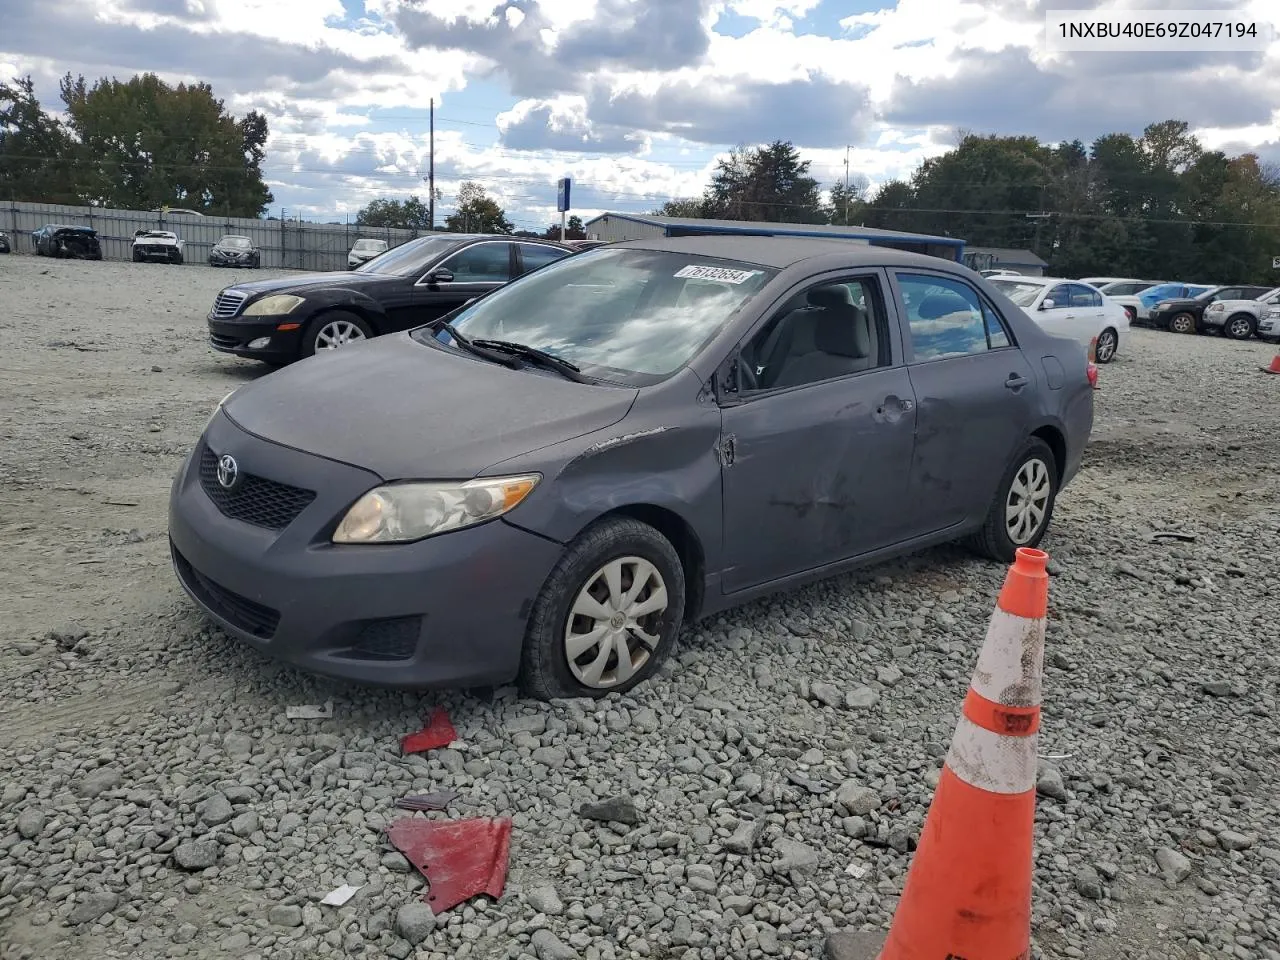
723 274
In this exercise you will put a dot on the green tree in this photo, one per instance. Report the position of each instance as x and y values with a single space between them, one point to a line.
573 230
145 144
690 207
769 183
37 156
890 207
846 204
477 212
410 214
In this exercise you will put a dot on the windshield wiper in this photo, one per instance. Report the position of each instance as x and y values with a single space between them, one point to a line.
471 347
563 367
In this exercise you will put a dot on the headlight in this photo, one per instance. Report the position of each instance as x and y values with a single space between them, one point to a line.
400 512
273 306
1217 307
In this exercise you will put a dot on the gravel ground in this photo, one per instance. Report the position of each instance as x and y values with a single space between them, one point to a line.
156 802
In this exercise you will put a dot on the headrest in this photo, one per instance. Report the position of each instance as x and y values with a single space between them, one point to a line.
837 295
843 333
942 305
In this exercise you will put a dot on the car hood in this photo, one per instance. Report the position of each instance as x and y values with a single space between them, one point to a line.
311 281
406 410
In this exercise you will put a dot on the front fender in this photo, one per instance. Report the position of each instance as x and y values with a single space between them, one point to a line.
353 300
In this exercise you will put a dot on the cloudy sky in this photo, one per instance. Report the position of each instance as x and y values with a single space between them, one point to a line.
633 98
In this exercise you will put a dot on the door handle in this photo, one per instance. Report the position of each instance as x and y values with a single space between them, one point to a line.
1068 316
1016 382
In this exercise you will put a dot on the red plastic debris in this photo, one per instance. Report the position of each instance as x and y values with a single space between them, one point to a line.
427 801
438 732
461 859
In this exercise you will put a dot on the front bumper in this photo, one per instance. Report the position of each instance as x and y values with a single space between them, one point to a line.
449 611
226 260
235 336
1208 319
1269 327
157 253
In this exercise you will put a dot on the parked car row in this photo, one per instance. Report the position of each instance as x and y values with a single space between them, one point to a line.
545 479
1235 310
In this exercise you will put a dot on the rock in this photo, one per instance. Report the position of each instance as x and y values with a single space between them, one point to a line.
745 836
535 724
31 823
681 930
395 862
185 933
860 629
1216 688
767 937
415 922
245 825
1231 840
1174 866
855 799
794 857
98 782
889 675
864 698
1049 783
699 876
739 905
750 783
285 915
553 757
547 946
544 899
614 810
854 827
826 694
215 810
92 906
1088 883
196 854
239 746
852 945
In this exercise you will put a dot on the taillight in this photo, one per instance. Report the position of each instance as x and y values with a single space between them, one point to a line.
1091 371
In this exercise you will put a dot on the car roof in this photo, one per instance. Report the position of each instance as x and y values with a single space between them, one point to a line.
782 252
1039 281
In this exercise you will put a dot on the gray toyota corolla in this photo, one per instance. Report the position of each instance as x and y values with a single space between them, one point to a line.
548 482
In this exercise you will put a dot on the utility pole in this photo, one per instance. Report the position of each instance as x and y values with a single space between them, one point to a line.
846 184
431 168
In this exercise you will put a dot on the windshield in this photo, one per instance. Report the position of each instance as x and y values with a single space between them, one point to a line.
1271 296
159 235
235 243
628 316
1019 291
1200 293
370 244
406 260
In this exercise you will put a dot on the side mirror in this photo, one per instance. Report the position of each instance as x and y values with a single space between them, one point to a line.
1047 304
440 276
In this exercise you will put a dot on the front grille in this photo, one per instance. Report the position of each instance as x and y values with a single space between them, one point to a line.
256 500
227 304
241 612
391 639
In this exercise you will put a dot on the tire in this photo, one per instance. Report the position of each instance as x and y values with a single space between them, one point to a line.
993 538
1240 326
1182 323
176 259
331 325
137 257
1105 348
546 671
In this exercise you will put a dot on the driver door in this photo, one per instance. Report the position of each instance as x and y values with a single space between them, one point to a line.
470 272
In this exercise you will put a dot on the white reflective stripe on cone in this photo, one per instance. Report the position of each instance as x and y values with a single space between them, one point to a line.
1012 661
992 762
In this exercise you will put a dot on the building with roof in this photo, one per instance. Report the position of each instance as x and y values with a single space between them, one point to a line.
614 227
1004 258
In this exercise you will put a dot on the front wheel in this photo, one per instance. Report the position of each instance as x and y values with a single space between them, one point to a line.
1023 507
1104 350
608 614
1182 323
1239 327
332 330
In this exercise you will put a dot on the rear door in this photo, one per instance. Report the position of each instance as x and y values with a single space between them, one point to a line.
471 272
975 396
1086 304
531 256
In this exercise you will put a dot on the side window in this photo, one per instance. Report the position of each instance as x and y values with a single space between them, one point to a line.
824 332
481 263
1060 295
945 317
997 335
535 255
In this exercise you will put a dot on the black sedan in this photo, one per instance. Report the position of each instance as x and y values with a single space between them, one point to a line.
1187 315
232 251
288 318
58 240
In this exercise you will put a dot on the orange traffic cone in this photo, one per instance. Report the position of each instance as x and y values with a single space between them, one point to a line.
968 891
1275 365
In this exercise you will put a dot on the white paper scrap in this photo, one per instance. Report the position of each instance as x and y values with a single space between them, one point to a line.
336 898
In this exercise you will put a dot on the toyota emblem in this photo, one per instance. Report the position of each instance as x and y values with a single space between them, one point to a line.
228 471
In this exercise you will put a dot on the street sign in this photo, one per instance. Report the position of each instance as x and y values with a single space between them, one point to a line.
562 194
1275 263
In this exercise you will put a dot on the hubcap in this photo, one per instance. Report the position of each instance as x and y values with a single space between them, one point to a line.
1240 328
1106 348
1028 501
335 333
1181 323
614 623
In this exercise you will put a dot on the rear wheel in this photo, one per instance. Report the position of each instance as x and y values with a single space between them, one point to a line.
1182 323
1105 349
332 330
137 257
608 614
1239 327
1023 506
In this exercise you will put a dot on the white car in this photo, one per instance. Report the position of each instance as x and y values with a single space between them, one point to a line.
1269 325
1072 309
1123 288
364 251
1238 318
157 245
